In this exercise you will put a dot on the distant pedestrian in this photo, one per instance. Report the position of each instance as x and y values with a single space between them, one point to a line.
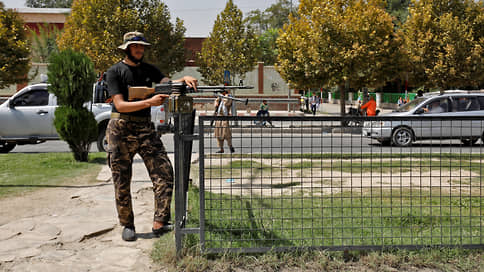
359 100
314 103
370 107
222 128
400 101
264 112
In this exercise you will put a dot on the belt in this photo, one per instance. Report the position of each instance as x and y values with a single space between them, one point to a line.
127 117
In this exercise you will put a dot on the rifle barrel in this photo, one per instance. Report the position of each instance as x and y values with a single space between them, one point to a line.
223 87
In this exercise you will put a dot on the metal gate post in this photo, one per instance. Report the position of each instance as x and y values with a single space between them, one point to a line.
184 115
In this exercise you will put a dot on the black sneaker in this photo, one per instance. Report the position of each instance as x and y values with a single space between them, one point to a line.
167 227
232 150
129 234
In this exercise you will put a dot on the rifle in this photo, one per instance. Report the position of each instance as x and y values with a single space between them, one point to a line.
245 101
140 93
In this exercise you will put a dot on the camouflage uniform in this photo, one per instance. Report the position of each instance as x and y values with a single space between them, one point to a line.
125 139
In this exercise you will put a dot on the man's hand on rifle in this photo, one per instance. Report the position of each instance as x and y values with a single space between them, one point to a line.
158 99
190 81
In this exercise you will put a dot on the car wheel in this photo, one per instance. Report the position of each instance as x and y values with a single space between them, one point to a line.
102 140
469 141
6 147
402 136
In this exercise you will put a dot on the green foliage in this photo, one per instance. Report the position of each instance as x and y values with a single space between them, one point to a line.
230 46
48 3
445 44
274 17
268 46
334 42
168 42
78 128
96 28
71 75
14 49
267 24
399 10
43 43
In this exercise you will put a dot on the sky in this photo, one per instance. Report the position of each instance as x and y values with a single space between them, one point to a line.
198 15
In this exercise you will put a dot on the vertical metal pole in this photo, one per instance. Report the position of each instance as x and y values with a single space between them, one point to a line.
201 159
183 114
179 201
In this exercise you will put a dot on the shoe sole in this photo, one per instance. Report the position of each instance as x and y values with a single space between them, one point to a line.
162 230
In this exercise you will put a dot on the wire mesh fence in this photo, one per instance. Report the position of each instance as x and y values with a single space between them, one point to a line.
309 182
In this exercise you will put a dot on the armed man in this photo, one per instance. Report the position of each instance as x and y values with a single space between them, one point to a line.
130 131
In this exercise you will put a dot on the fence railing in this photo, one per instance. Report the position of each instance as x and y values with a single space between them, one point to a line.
308 182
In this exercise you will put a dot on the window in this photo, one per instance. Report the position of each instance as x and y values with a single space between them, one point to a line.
437 106
33 98
481 102
466 103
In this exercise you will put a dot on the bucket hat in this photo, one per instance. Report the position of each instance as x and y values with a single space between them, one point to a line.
132 38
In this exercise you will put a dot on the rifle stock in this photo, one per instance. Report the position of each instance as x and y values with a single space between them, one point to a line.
140 93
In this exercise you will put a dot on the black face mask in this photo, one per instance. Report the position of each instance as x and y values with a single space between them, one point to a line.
132 58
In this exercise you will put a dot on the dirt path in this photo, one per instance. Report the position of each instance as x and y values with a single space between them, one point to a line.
75 228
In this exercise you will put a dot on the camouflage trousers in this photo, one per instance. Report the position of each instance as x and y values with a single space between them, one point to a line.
125 139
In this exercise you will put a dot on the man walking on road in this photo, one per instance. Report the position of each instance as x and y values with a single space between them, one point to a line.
130 131
222 127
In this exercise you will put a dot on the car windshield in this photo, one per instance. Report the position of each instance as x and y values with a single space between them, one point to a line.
410 105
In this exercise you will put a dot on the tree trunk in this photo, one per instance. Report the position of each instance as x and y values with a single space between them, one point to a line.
80 151
342 102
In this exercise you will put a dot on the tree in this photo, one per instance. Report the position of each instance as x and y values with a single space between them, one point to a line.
230 46
71 76
274 17
43 44
343 43
268 47
14 49
168 41
267 24
445 43
96 28
48 3
399 10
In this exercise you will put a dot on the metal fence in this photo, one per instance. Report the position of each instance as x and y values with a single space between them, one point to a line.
309 182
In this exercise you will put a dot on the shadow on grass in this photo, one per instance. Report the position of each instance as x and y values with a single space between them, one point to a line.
247 233
98 161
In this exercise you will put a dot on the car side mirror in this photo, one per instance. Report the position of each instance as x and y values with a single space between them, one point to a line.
419 111
11 104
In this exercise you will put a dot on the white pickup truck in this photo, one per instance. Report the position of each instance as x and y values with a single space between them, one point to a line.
28 117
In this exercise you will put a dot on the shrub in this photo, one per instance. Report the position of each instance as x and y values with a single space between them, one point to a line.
71 77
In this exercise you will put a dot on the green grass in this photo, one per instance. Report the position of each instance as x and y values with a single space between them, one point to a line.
21 172
340 220
366 216
426 259
380 166
348 156
386 219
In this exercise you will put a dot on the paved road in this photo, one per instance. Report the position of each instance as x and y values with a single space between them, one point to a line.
287 143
